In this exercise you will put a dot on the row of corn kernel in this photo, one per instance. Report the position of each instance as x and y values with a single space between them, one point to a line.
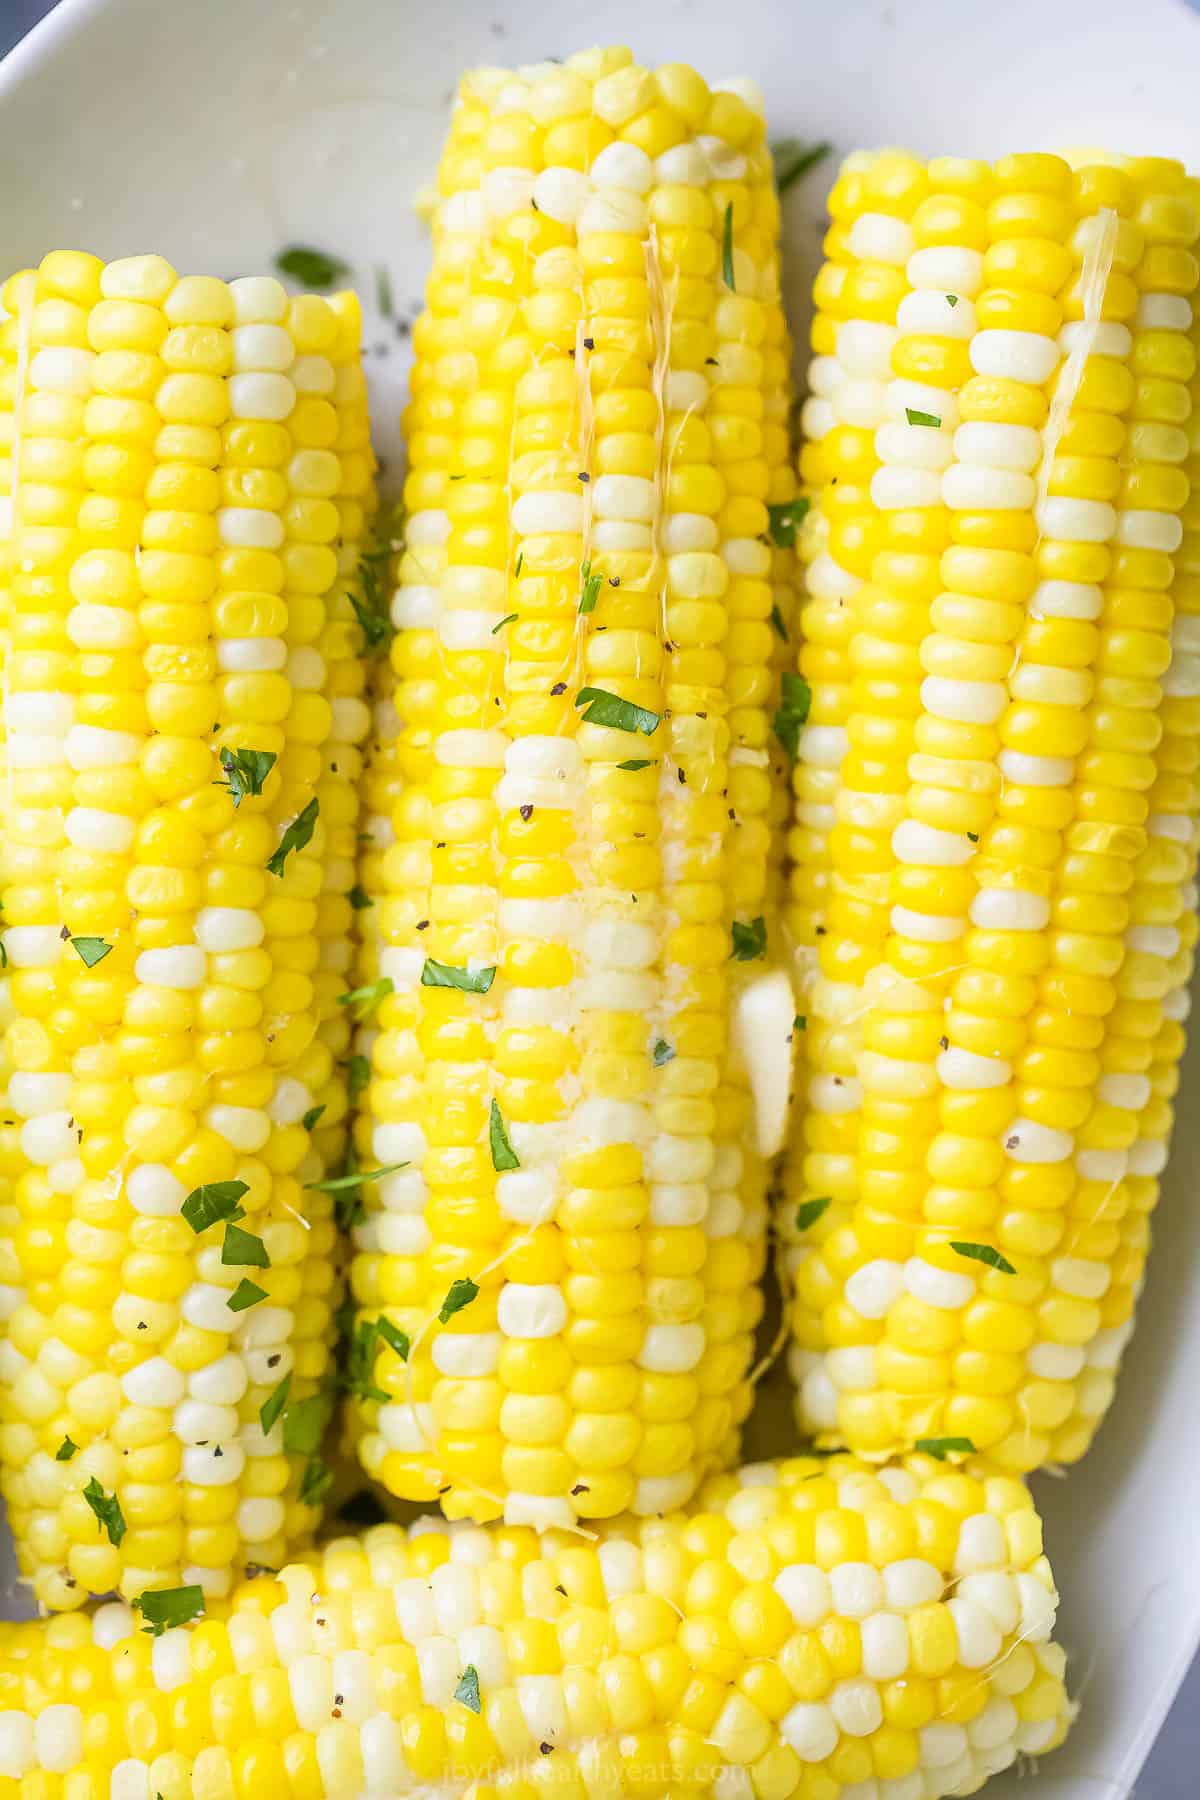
1146 1027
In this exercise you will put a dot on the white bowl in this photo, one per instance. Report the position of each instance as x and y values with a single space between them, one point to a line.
218 133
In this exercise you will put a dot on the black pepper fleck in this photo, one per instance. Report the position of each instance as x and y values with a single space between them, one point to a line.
526 812
560 687
422 924
944 1043
682 777
545 1749
589 343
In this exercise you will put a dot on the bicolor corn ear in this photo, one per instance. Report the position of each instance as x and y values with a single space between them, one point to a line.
384 1658
192 481
593 605
994 851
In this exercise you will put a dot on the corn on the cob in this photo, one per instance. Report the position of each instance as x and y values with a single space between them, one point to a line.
812 1629
583 686
182 449
997 783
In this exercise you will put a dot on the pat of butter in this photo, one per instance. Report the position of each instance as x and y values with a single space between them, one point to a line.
763 1016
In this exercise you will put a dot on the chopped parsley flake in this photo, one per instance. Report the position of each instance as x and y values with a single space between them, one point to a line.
778 626
359 898
447 975
311 1116
245 1295
984 1253
461 1293
809 1211
636 763
304 1423
789 721
727 250
336 1184
784 521
274 1404
506 620
315 1482
366 999
107 1509
604 708
65 1451
241 1249
793 160
467 1690
298 834
245 772
503 1155
90 950
915 417
372 611
941 1448
164 1609
215 1201
591 589
312 268
662 1053
749 941
358 1074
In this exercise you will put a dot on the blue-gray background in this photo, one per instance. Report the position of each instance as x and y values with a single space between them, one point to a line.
1173 1771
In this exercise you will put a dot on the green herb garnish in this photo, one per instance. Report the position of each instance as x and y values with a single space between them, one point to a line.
447 975
784 521
789 721
749 941
383 292
274 1404
366 999
90 950
359 898
315 1482
591 589
311 1116
468 1688
662 1053
215 1201
337 1184
604 708
461 1293
65 1451
245 772
164 1609
793 159
915 417
298 833
635 764
506 620
727 250
983 1253
358 1075
809 1211
941 1448
304 1423
245 1295
107 1509
243 1250
312 268
503 1155
778 626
